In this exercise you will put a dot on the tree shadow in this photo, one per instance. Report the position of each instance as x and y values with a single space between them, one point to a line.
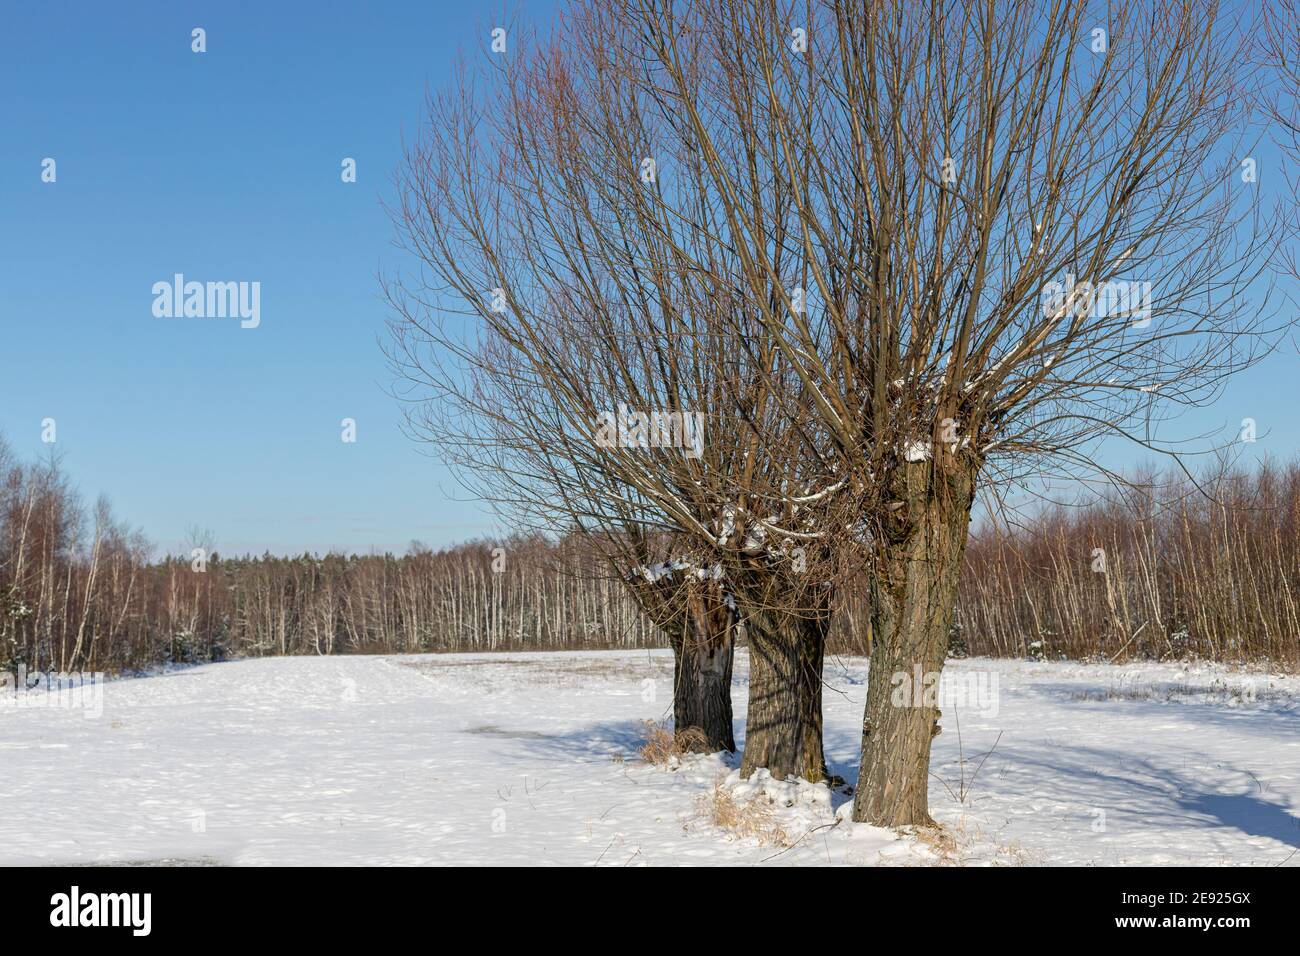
1135 791
1248 813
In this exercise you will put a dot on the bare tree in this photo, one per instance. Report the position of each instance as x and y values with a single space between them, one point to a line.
984 236
917 251
691 605
563 288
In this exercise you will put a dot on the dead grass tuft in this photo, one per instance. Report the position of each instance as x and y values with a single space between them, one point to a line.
957 844
753 820
662 745
941 841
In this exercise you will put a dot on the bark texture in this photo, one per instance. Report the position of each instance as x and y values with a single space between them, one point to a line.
703 650
783 730
914 589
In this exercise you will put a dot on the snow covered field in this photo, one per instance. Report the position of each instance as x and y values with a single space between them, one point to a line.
532 759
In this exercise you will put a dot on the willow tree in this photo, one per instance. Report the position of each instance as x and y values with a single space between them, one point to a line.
592 363
984 237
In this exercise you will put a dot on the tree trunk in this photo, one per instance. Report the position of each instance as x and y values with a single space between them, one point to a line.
783 731
913 592
702 720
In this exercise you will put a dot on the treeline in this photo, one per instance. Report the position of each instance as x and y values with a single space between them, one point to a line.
79 590
1163 569
1159 571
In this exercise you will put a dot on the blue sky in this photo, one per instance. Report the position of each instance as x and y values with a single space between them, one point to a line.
222 166
226 166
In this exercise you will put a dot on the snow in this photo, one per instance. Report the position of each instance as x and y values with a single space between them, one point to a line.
917 451
657 572
728 525
532 759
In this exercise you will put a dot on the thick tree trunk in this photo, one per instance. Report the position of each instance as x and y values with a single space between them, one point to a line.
702 719
913 593
783 730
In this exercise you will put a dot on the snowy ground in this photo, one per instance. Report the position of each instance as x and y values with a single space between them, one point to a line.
532 759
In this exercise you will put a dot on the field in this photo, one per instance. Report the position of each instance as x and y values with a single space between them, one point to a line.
534 759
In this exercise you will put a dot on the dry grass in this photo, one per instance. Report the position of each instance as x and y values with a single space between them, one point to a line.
502 674
753 820
956 844
1217 692
662 745
941 841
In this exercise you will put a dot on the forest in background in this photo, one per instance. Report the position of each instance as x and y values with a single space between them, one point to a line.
1159 570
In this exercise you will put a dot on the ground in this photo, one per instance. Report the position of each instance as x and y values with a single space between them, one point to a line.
533 759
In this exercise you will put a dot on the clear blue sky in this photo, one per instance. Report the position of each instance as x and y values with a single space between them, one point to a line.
222 166
225 166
